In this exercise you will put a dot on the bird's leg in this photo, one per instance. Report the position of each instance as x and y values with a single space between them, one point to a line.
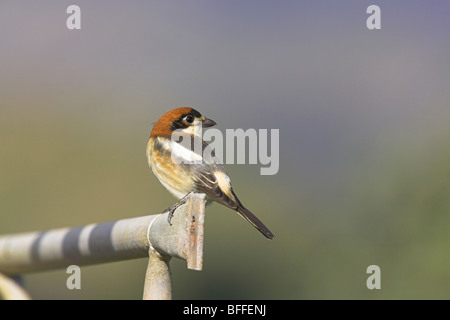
172 208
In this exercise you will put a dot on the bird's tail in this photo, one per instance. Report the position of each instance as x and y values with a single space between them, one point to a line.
250 217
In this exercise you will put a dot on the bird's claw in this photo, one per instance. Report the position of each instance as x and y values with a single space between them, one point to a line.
172 208
171 211
170 216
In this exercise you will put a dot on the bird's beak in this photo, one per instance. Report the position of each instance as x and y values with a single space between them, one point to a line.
208 123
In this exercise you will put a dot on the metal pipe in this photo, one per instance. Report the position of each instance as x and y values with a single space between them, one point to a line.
110 241
158 283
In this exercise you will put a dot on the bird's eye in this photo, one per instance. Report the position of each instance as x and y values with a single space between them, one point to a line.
189 119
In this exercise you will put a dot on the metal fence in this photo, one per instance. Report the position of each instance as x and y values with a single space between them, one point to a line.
149 236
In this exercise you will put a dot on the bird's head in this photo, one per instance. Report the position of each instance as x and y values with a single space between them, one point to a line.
184 119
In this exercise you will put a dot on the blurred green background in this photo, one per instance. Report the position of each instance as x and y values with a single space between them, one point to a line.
364 139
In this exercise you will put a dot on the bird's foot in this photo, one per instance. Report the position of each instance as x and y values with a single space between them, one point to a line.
172 208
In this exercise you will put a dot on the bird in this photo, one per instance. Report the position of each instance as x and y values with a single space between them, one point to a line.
181 168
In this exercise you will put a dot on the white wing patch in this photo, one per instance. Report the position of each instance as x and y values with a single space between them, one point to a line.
224 182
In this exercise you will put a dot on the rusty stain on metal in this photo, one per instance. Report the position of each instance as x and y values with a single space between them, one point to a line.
192 231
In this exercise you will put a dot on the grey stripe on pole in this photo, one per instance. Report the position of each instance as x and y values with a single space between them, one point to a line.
110 241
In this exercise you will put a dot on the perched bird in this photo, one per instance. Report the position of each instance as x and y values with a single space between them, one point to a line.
183 170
